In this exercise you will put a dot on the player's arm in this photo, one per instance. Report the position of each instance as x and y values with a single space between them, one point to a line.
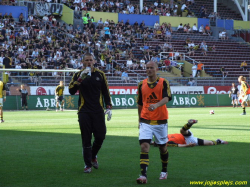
74 84
4 92
139 101
166 94
186 145
105 92
56 90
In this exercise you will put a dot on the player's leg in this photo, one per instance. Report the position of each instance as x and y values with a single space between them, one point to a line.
1 113
57 103
208 142
161 133
25 103
145 136
243 107
22 100
62 104
99 132
86 135
185 129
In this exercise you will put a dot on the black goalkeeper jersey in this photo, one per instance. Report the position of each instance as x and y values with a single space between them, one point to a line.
93 91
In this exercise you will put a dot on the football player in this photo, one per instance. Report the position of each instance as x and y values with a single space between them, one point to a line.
186 139
244 97
59 96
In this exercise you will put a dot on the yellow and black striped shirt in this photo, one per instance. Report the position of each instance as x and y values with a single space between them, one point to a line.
93 91
59 90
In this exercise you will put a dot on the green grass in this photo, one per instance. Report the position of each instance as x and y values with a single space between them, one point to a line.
43 149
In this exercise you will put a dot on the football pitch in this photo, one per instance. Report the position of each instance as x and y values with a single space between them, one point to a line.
43 149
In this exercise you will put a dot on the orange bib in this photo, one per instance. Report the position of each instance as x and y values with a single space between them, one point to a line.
152 96
176 138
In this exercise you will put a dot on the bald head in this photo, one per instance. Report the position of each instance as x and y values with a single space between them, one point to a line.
152 63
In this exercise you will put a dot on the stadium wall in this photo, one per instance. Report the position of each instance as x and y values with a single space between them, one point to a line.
176 21
227 24
15 10
149 20
67 15
203 21
42 102
242 25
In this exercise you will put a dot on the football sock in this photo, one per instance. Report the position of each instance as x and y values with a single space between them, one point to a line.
217 142
244 109
187 126
164 161
144 162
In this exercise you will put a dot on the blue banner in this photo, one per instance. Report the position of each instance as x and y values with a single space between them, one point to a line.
226 24
15 10
149 20
203 21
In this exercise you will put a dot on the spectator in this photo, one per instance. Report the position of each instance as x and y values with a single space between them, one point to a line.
212 16
200 67
156 25
129 63
118 70
177 55
208 30
224 35
45 18
125 76
201 29
195 29
194 70
143 64
21 18
166 65
168 35
107 31
243 66
191 82
180 28
223 71
203 47
7 61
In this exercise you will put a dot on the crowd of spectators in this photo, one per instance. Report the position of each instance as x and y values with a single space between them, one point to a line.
45 43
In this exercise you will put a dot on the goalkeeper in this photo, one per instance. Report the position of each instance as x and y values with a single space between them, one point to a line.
59 96
93 93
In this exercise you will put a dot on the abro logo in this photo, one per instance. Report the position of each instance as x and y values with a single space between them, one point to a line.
152 98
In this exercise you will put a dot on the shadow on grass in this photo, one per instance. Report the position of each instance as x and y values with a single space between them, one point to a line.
55 159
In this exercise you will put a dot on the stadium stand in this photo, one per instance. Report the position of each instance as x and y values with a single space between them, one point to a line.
48 43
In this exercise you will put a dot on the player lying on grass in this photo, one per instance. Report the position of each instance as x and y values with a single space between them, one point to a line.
186 138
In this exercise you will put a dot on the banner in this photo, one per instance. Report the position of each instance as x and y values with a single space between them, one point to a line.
117 90
42 102
114 90
46 90
42 8
217 89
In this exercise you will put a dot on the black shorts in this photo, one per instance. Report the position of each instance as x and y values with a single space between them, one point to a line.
59 98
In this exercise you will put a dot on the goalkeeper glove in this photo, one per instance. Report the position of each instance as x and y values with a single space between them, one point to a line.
109 113
84 74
